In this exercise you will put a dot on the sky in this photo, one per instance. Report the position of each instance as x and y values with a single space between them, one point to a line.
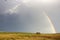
28 15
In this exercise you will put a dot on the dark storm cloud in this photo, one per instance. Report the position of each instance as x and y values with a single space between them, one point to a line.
28 18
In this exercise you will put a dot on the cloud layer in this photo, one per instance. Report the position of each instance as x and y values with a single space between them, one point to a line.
28 17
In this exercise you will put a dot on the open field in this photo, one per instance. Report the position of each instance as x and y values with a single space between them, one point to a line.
28 36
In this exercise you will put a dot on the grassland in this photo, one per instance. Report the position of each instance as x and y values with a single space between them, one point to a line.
28 36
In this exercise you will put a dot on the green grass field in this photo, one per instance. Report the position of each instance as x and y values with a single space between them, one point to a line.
28 36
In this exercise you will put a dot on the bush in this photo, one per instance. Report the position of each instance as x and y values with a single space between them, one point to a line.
37 32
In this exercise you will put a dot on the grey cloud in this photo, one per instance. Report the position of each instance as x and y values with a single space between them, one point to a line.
29 18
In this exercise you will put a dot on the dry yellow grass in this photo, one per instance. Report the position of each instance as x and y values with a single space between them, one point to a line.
28 36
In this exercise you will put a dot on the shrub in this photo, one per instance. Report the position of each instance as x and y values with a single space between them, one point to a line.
37 32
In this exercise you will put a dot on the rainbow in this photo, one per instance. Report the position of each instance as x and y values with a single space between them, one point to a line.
50 22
